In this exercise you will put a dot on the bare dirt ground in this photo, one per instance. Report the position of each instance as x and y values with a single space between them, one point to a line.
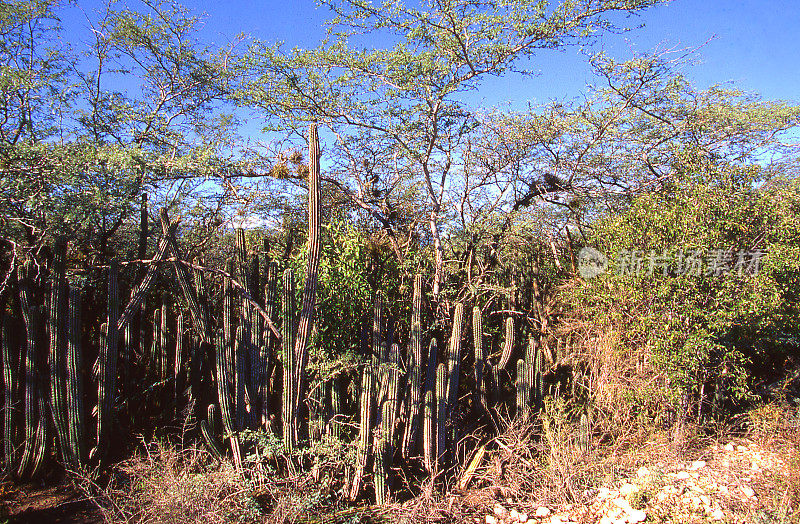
43 504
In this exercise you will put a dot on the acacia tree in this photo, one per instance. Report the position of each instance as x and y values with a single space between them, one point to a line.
85 130
409 95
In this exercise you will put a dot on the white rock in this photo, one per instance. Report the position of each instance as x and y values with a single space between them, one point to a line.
628 488
513 514
705 500
747 491
541 511
724 490
683 475
490 519
622 503
603 493
606 520
729 446
555 519
500 511
741 448
697 464
636 515
523 518
642 472
717 514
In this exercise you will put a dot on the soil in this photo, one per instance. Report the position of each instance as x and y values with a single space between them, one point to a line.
44 504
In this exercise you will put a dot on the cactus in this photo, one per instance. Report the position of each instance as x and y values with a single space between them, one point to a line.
384 442
208 428
107 361
429 431
178 362
240 380
9 389
523 402
155 351
337 408
537 381
227 325
369 378
195 311
305 323
415 372
290 415
75 413
441 414
35 431
453 369
224 397
508 344
56 327
163 357
266 348
480 356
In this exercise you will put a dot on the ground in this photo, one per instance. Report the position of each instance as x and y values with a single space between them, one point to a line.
741 481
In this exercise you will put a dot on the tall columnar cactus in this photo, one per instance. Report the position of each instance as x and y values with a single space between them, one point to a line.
508 344
384 441
155 351
163 331
429 431
441 415
306 321
224 396
35 421
369 380
56 326
176 372
415 371
240 380
537 381
523 389
227 325
336 428
454 369
75 413
9 394
208 428
480 356
290 407
107 361
270 306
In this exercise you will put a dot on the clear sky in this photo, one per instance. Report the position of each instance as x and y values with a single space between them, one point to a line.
754 46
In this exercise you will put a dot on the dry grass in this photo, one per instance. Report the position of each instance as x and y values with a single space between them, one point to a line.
167 485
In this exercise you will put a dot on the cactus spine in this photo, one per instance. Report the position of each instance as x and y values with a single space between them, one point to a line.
75 413
429 431
176 375
415 355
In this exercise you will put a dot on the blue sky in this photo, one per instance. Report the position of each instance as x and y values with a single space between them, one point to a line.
753 43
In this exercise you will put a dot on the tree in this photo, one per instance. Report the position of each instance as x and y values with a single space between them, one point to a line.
83 133
408 99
